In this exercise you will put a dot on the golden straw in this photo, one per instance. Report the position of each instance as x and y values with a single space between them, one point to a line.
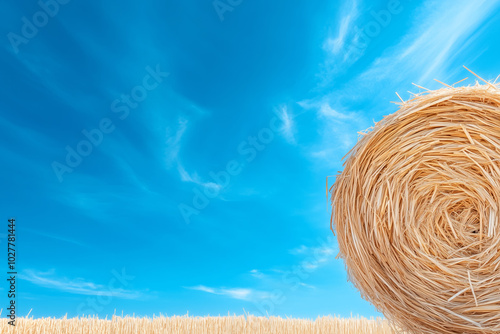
416 212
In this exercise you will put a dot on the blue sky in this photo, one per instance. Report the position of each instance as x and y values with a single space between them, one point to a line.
170 157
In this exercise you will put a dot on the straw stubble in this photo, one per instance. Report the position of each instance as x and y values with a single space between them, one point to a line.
247 324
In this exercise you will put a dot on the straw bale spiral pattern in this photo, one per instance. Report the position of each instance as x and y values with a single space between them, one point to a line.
416 212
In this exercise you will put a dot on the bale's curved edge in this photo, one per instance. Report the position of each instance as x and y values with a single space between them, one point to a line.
416 212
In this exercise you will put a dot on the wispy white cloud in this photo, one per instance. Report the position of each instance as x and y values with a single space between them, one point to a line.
337 130
309 259
172 156
257 273
246 294
336 43
439 30
238 293
326 111
320 254
194 178
174 141
288 127
76 286
299 250
307 285
56 237
202 288
339 45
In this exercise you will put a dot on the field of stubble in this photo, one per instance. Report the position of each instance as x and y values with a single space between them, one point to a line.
197 325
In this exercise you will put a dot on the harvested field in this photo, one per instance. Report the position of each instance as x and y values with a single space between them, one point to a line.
197 325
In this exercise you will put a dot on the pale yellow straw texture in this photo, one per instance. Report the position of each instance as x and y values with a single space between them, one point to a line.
416 212
197 325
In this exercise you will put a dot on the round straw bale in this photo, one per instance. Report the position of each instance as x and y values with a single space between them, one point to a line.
416 212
